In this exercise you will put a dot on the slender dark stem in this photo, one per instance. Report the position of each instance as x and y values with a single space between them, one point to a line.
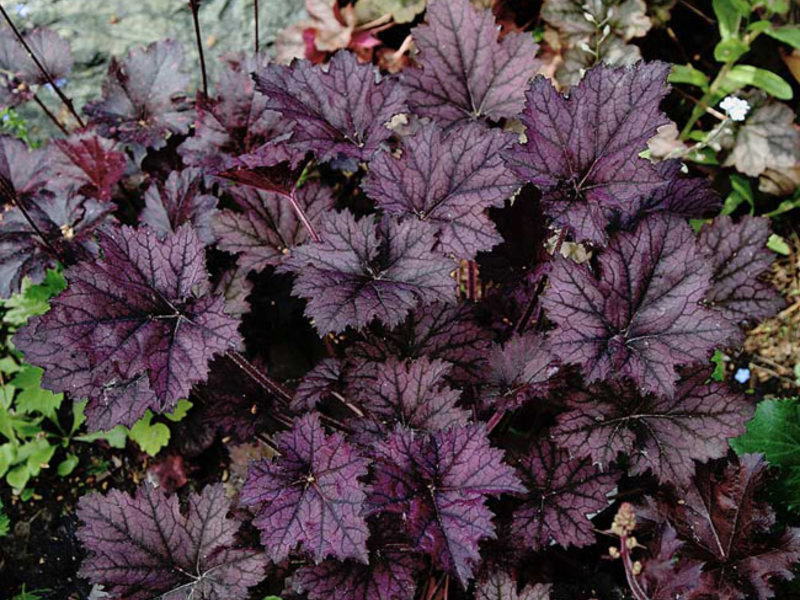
7 192
194 5
528 312
262 379
302 216
67 102
47 111
255 10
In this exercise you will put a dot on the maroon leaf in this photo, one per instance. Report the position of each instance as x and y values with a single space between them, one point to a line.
63 232
143 96
562 494
341 109
520 370
642 315
177 201
663 434
690 197
439 483
362 271
23 171
143 547
448 179
667 575
500 585
310 495
86 164
466 73
722 525
583 151
268 227
739 254
144 307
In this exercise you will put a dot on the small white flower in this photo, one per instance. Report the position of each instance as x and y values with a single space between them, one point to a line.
735 108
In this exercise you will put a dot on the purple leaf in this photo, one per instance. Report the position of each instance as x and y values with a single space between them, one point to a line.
412 394
119 402
86 164
23 171
690 197
143 96
448 179
310 495
738 252
500 585
178 201
667 575
236 122
440 331
317 384
362 271
466 73
663 434
66 226
583 151
268 227
235 287
439 482
389 576
519 370
339 109
18 70
642 315
144 547
143 307
722 524
562 493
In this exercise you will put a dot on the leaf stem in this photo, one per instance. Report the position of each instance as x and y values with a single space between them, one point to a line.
50 115
7 192
66 100
255 11
302 215
194 5
259 377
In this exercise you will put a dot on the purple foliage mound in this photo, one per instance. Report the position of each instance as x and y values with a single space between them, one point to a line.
447 401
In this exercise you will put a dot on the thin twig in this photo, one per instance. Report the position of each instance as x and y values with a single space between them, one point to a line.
7 192
259 377
302 215
194 5
67 101
256 15
52 117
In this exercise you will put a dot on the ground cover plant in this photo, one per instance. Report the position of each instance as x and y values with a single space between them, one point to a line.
445 307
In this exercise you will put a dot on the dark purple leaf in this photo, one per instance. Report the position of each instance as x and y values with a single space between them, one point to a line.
663 434
562 493
23 172
143 307
144 96
267 228
690 197
583 151
739 254
466 73
310 495
317 384
341 108
363 270
177 201
500 585
143 547
723 525
18 71
448 179
86 164
439 483
642 315
519 370
412 394
389 576
236 122
442 331
121 401
667 575
66 226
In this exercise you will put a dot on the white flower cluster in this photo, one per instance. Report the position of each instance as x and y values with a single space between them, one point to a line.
735 108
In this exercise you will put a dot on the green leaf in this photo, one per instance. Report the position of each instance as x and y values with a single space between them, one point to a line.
8 366
743 75
779 245
730 50
116 437
741 192
67 466
33 300
18 477
719 365
33 398
180 411
151 437
788 34
774 431
5 522
689 75
8 456
729 16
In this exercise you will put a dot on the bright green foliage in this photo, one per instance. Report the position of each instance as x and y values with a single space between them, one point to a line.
5 523
32 300
151 437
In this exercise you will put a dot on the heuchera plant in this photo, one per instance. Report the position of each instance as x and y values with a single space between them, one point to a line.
479 401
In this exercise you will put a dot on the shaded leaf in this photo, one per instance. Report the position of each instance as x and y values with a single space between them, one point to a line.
769 139
179 200
500 585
